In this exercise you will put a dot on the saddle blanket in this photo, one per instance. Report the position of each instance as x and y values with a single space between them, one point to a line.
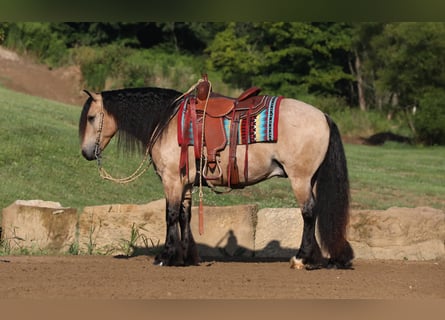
263 127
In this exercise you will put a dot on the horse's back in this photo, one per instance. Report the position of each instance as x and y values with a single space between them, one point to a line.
302 116
303 132
302 142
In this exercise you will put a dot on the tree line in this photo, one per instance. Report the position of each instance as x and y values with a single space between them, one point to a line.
389 67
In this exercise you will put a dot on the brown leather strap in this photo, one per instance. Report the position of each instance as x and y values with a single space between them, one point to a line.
197 129
215 137
232 170
246 156
183 162
249 93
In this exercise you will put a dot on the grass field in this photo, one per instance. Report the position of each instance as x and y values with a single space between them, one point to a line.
40 159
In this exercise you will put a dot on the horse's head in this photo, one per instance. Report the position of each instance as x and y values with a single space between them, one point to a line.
96 127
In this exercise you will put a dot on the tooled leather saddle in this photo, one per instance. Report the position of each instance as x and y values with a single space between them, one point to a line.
206 111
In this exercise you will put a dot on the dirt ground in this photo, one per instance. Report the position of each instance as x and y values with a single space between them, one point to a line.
106 277
21 74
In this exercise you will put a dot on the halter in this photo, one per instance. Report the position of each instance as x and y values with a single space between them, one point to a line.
97 153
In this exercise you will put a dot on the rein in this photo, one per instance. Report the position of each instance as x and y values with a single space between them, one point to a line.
97 153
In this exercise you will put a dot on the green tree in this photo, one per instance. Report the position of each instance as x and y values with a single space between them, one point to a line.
430 117
284 57
234 54
38 39
360 62
408 67
409 60
191 37
3 31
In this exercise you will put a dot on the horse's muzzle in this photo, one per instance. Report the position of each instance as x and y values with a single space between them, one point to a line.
87 154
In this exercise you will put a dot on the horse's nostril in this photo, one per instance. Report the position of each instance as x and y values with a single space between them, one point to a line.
87 155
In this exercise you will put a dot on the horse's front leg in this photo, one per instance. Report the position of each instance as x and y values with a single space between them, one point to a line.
172 254
189 247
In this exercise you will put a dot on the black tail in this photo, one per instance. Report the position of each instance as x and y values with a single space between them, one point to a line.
332 201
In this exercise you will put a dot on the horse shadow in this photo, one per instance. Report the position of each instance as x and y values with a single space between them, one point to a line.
231 251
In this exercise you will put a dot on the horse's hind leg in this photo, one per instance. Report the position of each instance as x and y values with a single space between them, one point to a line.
189 247
309 254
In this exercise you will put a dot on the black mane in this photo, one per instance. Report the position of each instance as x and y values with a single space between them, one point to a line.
141 114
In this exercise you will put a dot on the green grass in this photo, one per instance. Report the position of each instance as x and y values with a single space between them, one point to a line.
40 159
396 175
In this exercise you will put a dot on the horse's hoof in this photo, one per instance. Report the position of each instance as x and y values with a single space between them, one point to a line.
296 263
338 265
311 267
158 263
161 261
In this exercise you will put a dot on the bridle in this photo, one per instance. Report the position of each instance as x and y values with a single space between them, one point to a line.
98 155
97 152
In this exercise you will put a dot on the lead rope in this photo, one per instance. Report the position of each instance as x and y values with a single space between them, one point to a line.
201 194
136 174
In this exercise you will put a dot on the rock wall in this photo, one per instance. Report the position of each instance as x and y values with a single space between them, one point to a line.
398 233
38 226
234 232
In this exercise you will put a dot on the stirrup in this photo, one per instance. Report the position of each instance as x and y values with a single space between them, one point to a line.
205 170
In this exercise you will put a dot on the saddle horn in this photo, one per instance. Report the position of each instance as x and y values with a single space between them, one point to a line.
203 88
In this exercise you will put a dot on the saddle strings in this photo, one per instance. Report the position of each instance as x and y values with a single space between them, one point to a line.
201 193
193 87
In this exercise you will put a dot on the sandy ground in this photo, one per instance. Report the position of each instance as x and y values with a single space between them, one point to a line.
107 277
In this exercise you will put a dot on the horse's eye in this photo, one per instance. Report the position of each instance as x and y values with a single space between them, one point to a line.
91 119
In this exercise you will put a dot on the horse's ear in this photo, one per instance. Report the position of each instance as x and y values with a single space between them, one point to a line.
93 95
87 92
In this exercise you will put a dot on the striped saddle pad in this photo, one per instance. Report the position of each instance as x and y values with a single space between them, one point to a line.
262 127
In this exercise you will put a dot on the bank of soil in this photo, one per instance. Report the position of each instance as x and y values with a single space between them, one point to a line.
23 75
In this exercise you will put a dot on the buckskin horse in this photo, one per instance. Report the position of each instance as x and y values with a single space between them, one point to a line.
308 150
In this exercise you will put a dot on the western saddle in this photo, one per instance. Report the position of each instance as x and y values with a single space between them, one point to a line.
208 110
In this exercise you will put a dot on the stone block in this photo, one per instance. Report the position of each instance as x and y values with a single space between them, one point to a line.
278 232
108 229
38 226
398 233
228 231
